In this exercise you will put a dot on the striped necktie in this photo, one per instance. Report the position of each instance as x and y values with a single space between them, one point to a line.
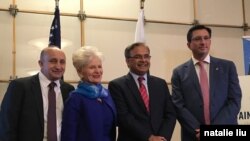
143 92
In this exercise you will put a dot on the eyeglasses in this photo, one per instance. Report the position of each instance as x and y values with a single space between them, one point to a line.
200 38
140 57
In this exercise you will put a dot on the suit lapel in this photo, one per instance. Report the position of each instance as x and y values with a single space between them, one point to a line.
36 90
135 91
154 92
109 102
192 75
213 75
63 91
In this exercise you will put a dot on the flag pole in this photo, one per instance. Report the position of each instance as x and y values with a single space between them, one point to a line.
57 3
142 4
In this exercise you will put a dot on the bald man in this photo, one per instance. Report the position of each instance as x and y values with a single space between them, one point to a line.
23 113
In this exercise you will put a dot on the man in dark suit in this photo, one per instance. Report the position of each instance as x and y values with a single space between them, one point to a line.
222 103
23 115
137 121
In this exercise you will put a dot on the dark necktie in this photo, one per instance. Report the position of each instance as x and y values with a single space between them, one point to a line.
143 92
51 123
205 92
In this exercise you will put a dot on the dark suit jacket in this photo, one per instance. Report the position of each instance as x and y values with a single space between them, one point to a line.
135 124
225 95
21 115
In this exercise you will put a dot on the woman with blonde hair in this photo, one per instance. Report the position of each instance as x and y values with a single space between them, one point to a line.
89 113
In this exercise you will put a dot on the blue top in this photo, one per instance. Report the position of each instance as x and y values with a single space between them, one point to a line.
89 115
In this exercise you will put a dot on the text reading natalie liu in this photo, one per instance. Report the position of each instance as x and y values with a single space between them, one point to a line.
212 132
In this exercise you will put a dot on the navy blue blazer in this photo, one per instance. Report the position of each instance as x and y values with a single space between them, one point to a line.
134 122
225 95
84 120
21 115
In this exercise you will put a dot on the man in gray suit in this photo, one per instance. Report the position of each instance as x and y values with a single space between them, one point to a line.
137 121
223 101
23 113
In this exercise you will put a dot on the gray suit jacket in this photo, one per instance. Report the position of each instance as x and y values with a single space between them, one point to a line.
225 95
135 124
21 115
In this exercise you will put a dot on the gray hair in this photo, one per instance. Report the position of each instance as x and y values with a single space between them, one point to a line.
83 55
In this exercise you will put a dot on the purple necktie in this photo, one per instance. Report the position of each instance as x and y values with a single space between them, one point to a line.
143 92
51 123
205 92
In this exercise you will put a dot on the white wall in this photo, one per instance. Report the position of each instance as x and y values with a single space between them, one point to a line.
167 41
19 36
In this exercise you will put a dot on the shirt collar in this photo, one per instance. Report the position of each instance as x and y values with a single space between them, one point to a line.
44 81
207 60
135 76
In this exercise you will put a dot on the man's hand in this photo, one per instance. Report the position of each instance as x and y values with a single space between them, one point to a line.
156 138
197 134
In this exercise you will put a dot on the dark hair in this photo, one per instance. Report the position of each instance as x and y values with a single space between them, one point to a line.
197 27
131 47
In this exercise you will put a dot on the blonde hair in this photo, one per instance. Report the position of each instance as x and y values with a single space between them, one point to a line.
83 55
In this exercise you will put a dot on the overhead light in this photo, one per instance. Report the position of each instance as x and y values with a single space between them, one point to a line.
32 72
41 43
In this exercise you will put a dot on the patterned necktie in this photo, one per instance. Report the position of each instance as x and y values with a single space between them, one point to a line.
143 92
205 92
51 123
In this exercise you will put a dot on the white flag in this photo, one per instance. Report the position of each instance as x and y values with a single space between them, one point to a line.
139 31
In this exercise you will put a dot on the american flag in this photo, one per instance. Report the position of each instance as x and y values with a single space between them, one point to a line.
55 30
246 51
